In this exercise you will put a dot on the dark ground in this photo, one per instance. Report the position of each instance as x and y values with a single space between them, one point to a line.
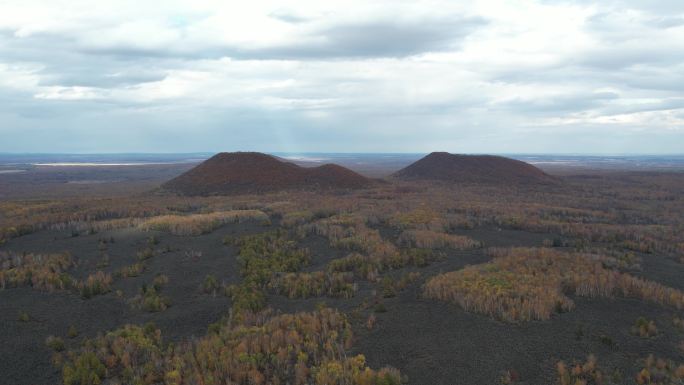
431 342
24 358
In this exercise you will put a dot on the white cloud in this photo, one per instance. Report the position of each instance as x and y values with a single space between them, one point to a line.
342 76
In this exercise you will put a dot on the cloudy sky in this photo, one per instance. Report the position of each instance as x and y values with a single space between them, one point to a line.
518 76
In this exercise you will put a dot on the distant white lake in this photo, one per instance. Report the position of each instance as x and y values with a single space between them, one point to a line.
93 181
87 164
11 171
305 158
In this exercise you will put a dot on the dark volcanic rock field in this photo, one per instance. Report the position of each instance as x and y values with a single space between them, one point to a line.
429 341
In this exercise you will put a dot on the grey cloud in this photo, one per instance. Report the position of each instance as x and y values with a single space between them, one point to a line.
60 66
560 104
658 6
617 58
667 21
376 39
385 38
288 16
661 105
113 77
665 77
669 79
100 73
627 42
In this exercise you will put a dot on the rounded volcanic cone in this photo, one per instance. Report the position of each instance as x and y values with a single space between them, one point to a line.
253 172
472 169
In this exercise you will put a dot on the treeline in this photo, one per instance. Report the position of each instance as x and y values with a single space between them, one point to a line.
196 224
523 284
19 218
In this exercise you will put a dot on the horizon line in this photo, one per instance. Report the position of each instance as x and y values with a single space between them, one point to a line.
346 153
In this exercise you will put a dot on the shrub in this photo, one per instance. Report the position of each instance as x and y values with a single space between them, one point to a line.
95 284
607 340
657 371
357 263
159 281
579 373
145 254
152 240
55 343
210 285
510 377
246 297
315 284
678 323
133 270
72 332
370 322
23 317
621 260
387 287
390 287
420 257
86 369
149 298
429 239
644 328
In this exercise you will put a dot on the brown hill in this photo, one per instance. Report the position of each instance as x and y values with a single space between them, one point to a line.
252 172
472 169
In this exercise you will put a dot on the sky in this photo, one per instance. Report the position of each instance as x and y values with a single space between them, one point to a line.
479 76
